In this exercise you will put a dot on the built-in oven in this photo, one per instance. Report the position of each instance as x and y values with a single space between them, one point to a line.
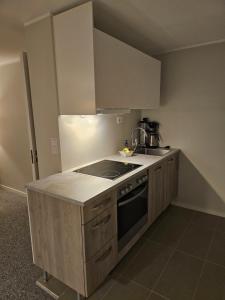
132 208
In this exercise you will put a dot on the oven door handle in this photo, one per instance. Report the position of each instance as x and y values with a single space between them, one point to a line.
133 198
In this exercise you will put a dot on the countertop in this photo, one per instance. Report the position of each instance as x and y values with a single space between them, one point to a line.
79 188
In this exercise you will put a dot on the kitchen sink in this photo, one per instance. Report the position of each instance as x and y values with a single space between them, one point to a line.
156 152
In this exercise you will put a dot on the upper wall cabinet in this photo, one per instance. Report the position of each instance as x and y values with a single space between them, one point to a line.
95 70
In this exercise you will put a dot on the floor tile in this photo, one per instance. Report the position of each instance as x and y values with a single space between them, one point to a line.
176 211
180 277
154 296
202 220
152 228
103 289
126 261
196 241
170 230
212 283
127 290
217 249
171 211
70 294
148 264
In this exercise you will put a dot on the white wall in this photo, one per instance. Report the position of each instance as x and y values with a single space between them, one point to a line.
15 164
84 139
192 117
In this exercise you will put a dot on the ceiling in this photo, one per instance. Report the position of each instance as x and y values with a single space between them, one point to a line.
153 26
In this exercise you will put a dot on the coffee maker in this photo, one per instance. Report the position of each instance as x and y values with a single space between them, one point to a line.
152 138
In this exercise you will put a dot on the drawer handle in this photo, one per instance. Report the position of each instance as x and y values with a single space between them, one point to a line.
103 221
170 160
100 205
158 168
104 255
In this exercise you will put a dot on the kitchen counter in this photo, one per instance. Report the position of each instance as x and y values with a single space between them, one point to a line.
76 223
80 188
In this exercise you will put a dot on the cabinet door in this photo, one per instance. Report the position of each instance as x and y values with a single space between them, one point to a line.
124 76
73 32
171 179
156 193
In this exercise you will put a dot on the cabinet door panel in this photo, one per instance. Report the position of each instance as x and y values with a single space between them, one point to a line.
125 77
171 179
100 266
157 191
73 32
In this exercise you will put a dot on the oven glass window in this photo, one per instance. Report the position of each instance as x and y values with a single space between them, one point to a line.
132 213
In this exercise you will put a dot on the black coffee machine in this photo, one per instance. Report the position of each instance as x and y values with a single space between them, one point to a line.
152 138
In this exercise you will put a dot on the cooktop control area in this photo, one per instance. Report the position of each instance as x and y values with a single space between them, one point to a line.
108 169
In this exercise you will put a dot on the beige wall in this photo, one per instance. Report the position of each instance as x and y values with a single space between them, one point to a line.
88 138
15 165
192 117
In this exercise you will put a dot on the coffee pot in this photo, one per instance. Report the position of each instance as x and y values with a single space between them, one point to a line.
152 138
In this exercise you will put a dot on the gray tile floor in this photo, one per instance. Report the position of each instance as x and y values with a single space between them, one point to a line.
181 257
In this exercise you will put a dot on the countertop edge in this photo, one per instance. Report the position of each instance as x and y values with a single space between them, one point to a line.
30 186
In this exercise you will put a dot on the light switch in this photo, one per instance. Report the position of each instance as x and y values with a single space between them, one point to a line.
54 146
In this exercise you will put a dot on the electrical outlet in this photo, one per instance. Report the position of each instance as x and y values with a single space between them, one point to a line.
119 119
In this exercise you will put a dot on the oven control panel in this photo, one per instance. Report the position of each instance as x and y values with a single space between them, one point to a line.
131 185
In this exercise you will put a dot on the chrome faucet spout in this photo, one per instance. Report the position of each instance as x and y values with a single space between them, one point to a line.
134 141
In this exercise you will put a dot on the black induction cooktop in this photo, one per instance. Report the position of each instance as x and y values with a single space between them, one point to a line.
109 169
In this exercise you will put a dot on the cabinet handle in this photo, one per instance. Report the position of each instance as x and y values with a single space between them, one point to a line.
103 221
158 168
100 204
104 255
170 160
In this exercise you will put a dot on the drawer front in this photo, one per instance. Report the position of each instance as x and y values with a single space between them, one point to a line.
100 266
97 206
100 231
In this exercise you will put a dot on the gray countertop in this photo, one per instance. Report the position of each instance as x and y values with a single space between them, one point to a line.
79 188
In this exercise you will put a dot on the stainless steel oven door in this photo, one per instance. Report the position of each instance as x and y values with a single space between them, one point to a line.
132 213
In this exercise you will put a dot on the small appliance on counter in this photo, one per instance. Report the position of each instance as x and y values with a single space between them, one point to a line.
149 137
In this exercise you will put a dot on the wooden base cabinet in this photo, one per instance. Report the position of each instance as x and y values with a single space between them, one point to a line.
79 254
163 185
171 179
78 245
156 189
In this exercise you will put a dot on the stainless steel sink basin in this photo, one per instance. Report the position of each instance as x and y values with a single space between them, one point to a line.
156 152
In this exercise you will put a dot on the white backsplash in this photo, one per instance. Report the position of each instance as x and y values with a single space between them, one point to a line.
87 138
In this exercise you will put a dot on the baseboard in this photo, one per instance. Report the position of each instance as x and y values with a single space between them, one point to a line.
193 207
10 189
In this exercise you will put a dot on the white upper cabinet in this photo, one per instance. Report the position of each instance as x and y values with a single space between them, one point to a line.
125 77
74 52
95 70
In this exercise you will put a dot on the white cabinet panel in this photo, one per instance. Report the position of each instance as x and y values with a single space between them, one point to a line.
124 76
73 32
95 70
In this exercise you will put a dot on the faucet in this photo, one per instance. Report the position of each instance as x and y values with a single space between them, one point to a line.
134 141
